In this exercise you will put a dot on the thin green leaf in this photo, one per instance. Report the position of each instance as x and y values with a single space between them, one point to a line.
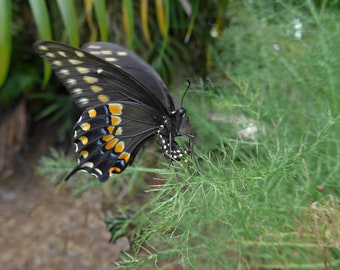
144 4
42 20
5 38
69 17
100 10
128 21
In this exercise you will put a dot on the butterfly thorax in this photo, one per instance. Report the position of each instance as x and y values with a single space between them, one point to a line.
168 131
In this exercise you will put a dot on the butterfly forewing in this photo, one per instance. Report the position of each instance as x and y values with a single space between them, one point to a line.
133 65
92 80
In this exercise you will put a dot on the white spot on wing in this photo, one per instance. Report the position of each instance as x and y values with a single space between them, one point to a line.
64 71
94 47
71 81
61 53
106 52
77 91
79 53
43 48
75 61
51 55
98 171
83 101
111 59
79 120
57 63
88 164
122 53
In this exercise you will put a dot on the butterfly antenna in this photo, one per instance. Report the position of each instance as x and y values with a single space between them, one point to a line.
186 90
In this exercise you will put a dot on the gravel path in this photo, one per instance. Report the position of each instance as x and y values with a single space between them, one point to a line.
44 230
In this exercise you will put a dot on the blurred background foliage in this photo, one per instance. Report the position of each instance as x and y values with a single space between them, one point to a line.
268 135
163 32
173 36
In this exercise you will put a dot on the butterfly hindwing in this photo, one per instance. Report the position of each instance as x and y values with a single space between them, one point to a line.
107 137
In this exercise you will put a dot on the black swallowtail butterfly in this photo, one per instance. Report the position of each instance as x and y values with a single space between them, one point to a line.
125 101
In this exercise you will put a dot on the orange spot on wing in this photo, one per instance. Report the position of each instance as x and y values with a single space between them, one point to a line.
125 156
115 120
110 129
103 98
107 138
92 113
111 144
115 108
115 170
119 147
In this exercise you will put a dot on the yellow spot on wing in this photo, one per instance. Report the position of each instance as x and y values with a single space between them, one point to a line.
84 140
82 70
90 79
103 98
115 108
85 126
92 113
119 147
121 53
119 131
75 61
125 156
84 153
96 88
